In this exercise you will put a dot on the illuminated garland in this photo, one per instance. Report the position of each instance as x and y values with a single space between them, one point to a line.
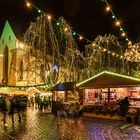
133 53
117 22
28 4
45 84
107 72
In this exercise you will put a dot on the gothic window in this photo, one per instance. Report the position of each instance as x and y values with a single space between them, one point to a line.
5 63
9 37
21 70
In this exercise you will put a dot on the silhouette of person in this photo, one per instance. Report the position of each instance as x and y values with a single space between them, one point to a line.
124 104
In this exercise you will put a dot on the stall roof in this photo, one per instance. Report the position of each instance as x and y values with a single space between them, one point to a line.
33 90
9 90
64 86
108 79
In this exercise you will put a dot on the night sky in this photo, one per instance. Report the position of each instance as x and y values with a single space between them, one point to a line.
87 17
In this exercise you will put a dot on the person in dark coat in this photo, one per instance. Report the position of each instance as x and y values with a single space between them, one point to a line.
124 104
8 108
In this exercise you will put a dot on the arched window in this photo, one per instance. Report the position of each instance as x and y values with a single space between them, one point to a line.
5 64
21 70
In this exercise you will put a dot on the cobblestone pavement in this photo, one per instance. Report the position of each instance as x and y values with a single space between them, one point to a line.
44 126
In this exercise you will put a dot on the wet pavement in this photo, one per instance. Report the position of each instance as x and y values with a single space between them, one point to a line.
45 126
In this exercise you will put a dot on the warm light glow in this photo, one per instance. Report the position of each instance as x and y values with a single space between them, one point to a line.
28 4
66 29
93 44
104 50
117 23
49 17
1 55
21 45
107 8
80 37
123 34
113 54
129 43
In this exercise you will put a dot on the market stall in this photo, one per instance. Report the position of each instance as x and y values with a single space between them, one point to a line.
65 94
107 88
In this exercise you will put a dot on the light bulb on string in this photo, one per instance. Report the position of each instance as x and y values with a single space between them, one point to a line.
129 43
66 29
39 11
80 38
93 43
108 8
113 16
57 23
123 34
28 4
113 53
126 39
74 33
117 23
121 29
49 17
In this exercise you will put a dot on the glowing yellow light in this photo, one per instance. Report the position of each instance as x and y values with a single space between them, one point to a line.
117 23
113 54
66 29
80 37
28 4
49 17
129 46
93 44
129 43
123 34
107 8
21 45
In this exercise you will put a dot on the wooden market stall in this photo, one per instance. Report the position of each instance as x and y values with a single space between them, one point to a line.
65 94
106 89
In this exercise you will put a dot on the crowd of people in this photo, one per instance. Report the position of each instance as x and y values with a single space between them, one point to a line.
39 101
11 104
17 104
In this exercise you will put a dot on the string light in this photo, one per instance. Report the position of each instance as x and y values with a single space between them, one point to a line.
57 23
65 29
123 34
74 33
117 23
28 4
129 43
39 11
80 38
49 17
108 8
113 16
93 44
